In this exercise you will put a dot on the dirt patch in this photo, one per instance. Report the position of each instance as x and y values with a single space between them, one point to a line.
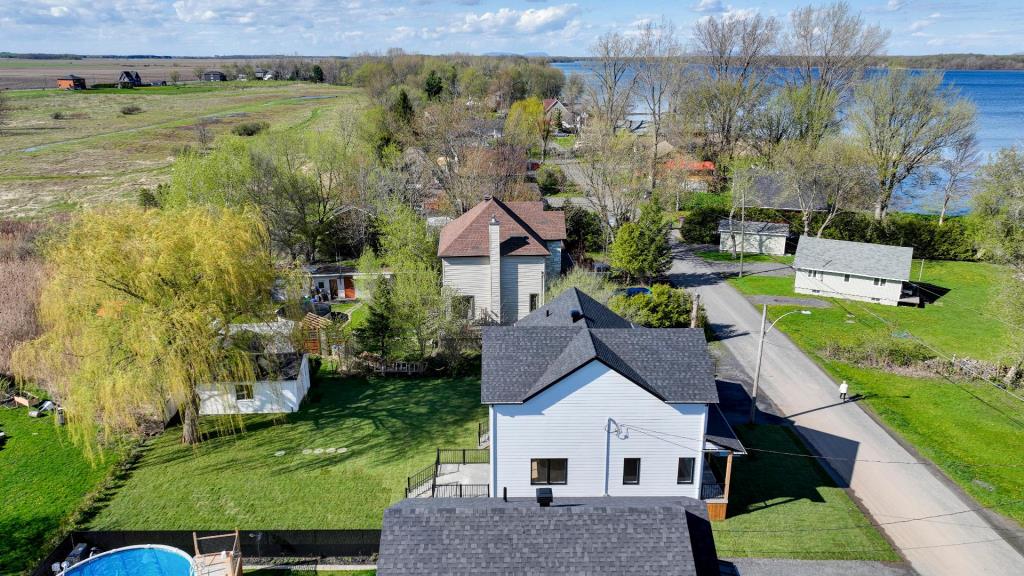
790 301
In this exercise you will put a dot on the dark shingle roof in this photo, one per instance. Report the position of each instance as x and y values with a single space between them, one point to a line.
558 312
720 433
523 360
766 228
525 228
593 536
858 258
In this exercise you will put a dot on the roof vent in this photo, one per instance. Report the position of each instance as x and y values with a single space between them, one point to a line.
544 497
576 315
494 220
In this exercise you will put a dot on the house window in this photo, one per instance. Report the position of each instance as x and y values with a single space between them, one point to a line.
549 470
631 471
684 474
320 285
243 392
846 277
534 302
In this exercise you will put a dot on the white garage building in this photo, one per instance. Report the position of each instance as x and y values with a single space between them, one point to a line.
753 237
852 270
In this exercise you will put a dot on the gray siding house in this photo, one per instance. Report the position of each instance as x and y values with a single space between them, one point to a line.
752 237
853 270
499 257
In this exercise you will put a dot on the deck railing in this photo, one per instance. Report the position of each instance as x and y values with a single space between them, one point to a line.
712 491
462 491
418 482
463 456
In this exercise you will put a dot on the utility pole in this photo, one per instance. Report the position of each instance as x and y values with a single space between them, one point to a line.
743 226
757 371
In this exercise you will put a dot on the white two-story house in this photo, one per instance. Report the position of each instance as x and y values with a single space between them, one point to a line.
583 402
853 270
499 257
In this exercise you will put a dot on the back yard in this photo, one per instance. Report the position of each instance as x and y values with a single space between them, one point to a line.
45 480
930 411
337 463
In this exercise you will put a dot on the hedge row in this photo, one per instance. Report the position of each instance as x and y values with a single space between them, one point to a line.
953 240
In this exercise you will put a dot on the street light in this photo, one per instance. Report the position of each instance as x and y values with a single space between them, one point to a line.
760 352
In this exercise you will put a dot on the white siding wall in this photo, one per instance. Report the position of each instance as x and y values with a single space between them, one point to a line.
858 288
753 243
569 421
269 397
554 261
470 276
520 277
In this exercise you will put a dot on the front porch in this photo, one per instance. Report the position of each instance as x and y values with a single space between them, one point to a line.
720 445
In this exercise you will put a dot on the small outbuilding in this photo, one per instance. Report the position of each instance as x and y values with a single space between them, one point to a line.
752 237
214 76
129 79
853 270
71 82
595 536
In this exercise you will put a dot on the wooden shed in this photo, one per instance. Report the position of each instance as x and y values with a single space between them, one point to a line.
71 82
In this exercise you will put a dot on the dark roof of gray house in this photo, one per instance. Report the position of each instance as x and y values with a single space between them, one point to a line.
720 433
765 228
592 536
857 258
558 312
523 360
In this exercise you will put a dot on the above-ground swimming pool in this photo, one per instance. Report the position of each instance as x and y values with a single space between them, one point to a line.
135 561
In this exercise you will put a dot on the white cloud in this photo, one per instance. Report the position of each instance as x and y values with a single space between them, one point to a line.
712 6
507 21
918 25
59 11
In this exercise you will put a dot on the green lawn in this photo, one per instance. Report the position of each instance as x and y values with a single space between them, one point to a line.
777 502
716 256
972 431
389 428
566 142
287 572
44 480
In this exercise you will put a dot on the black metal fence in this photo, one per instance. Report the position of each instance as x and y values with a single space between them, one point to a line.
461 491
463 456
254 543
418 481
712 490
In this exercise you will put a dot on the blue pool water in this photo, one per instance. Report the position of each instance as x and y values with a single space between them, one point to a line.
135 561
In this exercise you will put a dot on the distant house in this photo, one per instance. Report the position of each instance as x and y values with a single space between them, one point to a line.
554 110
592 536
71 82
214 76
499 257
853 270
692 174
335 282
752 237
263 74
129 79
282 375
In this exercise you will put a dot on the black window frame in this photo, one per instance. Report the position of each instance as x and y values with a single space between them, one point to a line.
547 481
692 472
625 480
244 391
534 301
846 277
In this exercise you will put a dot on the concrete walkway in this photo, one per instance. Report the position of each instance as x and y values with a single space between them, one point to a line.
929 520
781 567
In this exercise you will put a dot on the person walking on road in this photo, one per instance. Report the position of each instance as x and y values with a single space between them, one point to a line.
843 389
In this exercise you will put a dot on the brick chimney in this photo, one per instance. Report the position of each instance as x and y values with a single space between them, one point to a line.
494 245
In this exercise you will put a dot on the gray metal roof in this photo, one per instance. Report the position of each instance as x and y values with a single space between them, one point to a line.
765 228
523 360
592 536
857 258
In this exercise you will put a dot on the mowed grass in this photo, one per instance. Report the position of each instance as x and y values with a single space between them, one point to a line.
96 154
973 431
716 256
778 505
388 427
44 479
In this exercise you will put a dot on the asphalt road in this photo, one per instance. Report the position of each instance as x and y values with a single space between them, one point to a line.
932 523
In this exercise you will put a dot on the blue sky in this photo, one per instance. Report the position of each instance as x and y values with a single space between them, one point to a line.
343 27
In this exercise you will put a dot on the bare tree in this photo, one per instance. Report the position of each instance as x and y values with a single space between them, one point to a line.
658 62
731 83
204 136
905 121
573 89
830 46
611 167
610 94
959 170
5 110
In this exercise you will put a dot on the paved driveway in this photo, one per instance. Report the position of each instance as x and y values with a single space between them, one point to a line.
927 518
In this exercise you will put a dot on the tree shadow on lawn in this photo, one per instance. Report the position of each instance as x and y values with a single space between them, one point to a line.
378 421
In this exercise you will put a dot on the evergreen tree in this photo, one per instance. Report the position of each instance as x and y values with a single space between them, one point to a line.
318 74
641 249
379 331
433 85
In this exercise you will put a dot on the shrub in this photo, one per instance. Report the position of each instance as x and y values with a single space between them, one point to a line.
594 285
550 179
24 273
700 226
583 231
250 128
664 307
130 110
889 353
58 115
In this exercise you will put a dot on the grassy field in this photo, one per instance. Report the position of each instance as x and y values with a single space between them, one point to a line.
777 503
716 256
44 480
388 428
21 73
971 430
95 153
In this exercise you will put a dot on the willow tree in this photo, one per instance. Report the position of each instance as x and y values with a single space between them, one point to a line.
136 314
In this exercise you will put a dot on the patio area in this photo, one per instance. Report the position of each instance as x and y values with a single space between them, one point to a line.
456 473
